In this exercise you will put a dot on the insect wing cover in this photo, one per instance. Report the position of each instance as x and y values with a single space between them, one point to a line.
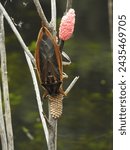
48 62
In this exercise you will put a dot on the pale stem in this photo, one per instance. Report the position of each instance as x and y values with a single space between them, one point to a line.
68 5
41 13
2 126
7 109
52 121
71 85
53 14
38 97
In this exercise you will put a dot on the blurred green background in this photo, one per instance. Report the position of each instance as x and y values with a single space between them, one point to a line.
86 123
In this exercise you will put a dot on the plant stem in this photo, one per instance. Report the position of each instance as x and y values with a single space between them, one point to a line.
52 131
41 13
53 14
68 5
2 125
71 85
38 98
8 120
52 121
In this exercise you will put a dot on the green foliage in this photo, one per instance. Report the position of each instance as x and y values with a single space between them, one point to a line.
86 122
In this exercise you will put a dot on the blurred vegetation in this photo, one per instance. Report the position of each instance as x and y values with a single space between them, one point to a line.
86 123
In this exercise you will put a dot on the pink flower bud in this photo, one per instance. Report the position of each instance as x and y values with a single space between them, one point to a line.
67 25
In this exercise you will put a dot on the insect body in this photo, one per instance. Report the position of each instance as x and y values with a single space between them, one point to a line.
49 62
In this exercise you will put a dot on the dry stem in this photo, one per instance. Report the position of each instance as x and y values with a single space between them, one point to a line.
8 120
41 13
68 5
2 126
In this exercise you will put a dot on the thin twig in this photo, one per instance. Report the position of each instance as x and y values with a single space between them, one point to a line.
41 13
53 14
68 5
71 85
17 33
8 120
38 98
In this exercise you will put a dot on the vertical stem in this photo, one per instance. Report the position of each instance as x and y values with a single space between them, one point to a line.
6 90
53 14
52 131
68 5
2 124
52 121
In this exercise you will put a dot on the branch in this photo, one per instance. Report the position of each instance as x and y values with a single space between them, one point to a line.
53 14
17 33
52 121
2 123
68 5
7 109
41 13
52 131
71 85
38 97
